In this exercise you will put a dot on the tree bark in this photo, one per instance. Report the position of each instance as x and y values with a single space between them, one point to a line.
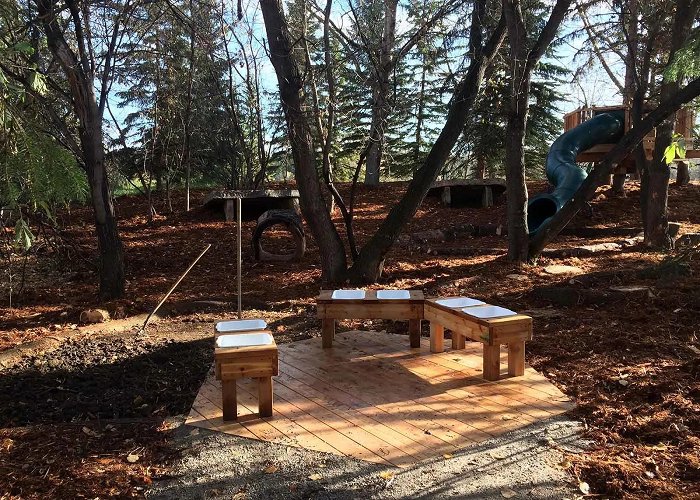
480 172
523 63
659 172
517 111
187 118
618 184
79 74
380 95
313 207
368 266
682 173
628 94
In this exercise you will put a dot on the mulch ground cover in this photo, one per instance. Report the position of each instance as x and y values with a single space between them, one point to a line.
631 363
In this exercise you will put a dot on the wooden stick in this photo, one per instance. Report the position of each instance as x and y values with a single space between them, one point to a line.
145 323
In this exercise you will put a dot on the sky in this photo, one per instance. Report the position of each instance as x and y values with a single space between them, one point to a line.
593 87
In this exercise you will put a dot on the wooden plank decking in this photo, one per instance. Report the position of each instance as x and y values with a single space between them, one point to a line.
373 398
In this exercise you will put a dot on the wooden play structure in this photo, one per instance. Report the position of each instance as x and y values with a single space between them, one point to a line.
244 348
475 193
253 203
373 398
685 120
465 317
369 395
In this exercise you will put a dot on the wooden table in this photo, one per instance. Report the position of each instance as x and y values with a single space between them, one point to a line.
250 361
492 333
370 307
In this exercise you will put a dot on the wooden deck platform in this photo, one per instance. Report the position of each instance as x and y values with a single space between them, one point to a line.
373 398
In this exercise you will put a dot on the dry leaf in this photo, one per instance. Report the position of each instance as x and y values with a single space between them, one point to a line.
270 469
508 493
7 444
132 458
90 432
386 474
565 464
315 477
447 455
583 486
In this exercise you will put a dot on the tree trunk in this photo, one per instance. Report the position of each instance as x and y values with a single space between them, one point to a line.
659 172
375 147
380 95
290 81
517 111
480 172
656 223
682 173
81 81
187 119
523 61
109 245
618 184
628 96
367 268
420 116
515 176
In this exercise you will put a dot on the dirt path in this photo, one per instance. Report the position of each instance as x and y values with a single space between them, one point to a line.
528 463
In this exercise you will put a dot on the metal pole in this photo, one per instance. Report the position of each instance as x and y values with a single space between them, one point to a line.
240 264
165 297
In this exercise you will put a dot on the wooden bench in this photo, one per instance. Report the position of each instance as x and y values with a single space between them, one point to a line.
251 355
461 315
333 305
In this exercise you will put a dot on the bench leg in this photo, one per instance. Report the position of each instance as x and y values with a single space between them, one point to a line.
229 212
327 332
228 400
265 396
492 362
458 341
414 332
437 337
516 359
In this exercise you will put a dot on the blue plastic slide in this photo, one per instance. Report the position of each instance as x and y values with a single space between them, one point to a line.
562 171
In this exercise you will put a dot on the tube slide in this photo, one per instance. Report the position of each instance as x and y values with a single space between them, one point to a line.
562 171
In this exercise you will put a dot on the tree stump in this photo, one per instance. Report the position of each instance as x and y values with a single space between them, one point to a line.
682 173
291 221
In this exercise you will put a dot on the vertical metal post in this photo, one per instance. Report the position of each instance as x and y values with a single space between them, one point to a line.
240 264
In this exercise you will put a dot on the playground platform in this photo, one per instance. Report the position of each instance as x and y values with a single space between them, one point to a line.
374 398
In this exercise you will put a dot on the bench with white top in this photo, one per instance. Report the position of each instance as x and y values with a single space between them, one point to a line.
333 305
245 354
472 319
